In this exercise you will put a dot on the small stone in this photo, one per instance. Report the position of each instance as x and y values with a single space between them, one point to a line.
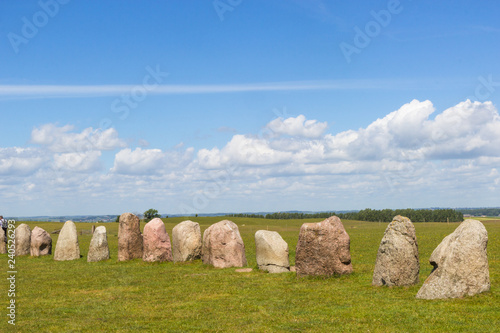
67 247
397 258
23 239
323 249
460 264
271 252
156 242
186 241
223 246
243 270
129 237
98 249
41 242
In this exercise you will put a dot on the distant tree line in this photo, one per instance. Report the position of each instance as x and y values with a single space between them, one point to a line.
480 211
372 215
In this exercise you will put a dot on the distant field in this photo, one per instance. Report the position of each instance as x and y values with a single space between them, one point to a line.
191 297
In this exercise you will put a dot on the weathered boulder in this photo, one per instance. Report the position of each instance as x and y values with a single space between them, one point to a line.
186 241
271 252
223 246
67 247
397 258
41 242
129 237
323 249
460 264
3 244
23 239
156 242
98 249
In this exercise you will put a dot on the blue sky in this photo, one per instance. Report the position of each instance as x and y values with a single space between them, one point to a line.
235 106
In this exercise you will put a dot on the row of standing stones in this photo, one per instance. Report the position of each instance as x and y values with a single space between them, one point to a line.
460 261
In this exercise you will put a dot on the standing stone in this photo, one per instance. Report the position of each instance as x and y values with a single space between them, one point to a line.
397 258
41 243
3 244
67 247
460 264
186 241
98 249
323 249
271 252
156 242
223 246
129 237
23 239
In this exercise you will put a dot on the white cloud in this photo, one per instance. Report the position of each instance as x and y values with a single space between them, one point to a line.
298 126
62 140
20 161
78 162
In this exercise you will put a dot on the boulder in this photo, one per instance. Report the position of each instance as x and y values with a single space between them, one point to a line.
129 237
460 264
223 246
67 247
98 249
323 249
156 242
186 241
23 239
41 242
397 261
3 244
271 252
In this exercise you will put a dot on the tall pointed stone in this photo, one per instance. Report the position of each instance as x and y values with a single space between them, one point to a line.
223 246
67 247
397 258
323 249
186 241
23 239
460 264
41 242
129 237
156 242
98 249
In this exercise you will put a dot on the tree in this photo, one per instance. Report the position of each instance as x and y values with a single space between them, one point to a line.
151 214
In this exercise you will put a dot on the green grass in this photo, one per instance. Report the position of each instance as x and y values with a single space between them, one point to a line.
191 297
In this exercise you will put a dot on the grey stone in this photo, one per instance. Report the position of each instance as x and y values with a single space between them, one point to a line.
397 258
67 247
271 252
23 239
223 246
41 242
460 264
186 241
98 249
3 245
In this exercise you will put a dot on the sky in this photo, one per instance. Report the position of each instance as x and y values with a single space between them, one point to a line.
247 106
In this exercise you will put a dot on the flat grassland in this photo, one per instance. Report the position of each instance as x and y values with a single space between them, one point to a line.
191 297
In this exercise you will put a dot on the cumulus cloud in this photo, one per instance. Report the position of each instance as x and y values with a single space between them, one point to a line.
17 161
60 139
79 162
297 126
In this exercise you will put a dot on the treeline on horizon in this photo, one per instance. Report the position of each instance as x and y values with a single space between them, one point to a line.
480 211
371 215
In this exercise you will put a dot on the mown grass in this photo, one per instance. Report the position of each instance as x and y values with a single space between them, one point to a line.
191 297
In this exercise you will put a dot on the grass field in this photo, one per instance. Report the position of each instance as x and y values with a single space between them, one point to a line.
191 297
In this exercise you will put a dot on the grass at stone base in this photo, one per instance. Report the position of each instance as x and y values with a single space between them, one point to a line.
133 296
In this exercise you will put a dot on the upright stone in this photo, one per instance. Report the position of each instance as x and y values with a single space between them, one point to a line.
223 246
67 247
460 264
41 242
98 249
186 241
156 242
323 249
23 239
397 258
129 237
271 252
3 244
